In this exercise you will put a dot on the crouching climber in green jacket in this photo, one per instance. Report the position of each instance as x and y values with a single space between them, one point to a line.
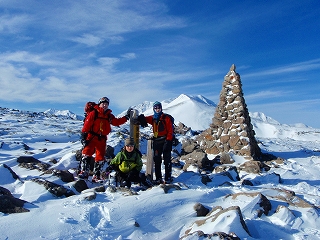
128 164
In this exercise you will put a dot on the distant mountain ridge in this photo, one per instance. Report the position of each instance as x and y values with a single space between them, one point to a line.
197 112
258 116
65 113
193 111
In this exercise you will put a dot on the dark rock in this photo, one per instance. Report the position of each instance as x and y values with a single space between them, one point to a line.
188 146
205 179
225 158
196 158
64 175
89 194
109 152
265 204
251 167
230 171
136 224
26 147
27 159
53 161
54 188
32 163
14 175
101 188
200 210
167 187
246 182
80 185
6 192
9 204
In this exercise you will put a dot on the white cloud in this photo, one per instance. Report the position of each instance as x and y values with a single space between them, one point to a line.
129 56
88 39
290 68
108 61
265 94
107 19
11 24
27 57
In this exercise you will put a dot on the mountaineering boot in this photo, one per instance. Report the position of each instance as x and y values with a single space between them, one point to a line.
145 184
144 181
83 174
168 171
125 183
97 171
149 181
96 179
84 167
168 180
158 181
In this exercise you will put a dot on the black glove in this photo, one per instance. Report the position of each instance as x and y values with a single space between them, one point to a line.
142 120
128 113
83 138
167 147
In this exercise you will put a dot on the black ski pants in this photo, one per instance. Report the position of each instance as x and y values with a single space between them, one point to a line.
162 148
133 176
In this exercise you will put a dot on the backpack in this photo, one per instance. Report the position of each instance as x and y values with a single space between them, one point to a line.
175 141
89 107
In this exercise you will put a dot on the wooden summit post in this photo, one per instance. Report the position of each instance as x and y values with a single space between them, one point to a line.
134 128
150 165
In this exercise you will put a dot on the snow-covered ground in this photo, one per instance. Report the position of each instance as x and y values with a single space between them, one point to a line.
154 214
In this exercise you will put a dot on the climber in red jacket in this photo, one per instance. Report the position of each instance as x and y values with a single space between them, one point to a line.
94 136
163 134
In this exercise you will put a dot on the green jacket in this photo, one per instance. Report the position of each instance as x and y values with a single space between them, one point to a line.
127 161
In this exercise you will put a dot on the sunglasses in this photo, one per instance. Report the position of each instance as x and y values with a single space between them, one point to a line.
157 107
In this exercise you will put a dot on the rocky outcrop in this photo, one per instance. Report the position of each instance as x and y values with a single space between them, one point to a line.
215 223
54 188
231 128
10 204
200 210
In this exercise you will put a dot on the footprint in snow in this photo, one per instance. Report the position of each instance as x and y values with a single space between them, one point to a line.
99 216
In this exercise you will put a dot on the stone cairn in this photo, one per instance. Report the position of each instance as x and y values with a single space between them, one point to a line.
231 129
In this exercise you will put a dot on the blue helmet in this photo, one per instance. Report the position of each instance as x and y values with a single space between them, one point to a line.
157 104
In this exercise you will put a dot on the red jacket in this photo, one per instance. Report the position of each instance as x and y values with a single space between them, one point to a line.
163 128
98 123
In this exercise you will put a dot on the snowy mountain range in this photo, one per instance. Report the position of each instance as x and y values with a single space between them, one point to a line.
193 111
197 112
65 113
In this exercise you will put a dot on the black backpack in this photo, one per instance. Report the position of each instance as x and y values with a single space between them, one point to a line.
175 141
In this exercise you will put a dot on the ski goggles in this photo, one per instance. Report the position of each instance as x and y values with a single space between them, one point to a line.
104 100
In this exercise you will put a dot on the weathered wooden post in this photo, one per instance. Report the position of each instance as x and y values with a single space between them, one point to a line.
150 165
134 128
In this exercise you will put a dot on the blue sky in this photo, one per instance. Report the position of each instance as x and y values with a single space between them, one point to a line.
60 54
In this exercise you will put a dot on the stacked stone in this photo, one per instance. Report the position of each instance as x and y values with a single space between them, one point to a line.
231 128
